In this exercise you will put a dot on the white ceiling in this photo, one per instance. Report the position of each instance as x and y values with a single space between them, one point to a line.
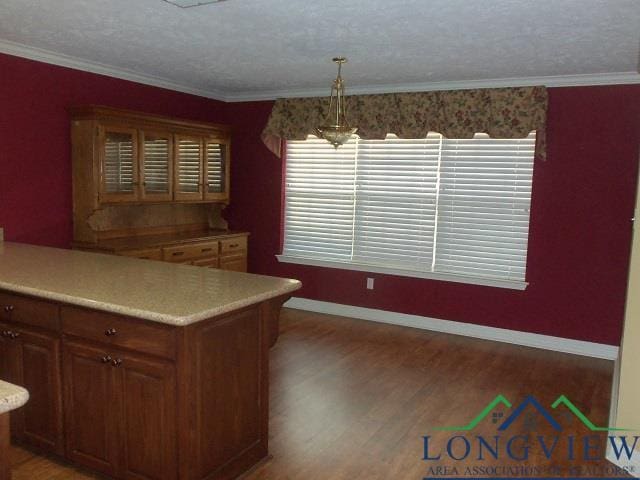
258 49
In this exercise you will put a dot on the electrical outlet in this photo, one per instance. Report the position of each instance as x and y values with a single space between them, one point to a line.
369 283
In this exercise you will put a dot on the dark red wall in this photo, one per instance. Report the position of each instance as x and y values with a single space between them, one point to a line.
35 165
583 200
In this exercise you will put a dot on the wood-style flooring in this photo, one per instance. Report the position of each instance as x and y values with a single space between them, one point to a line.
352 399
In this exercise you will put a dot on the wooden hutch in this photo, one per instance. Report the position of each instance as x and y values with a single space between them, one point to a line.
153 187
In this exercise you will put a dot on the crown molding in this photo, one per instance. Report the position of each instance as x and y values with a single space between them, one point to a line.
47 56
593 79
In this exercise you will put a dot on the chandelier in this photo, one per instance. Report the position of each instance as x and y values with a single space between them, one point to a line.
336 129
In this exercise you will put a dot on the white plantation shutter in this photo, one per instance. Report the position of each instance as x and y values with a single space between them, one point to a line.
455 209
189 163
215 167
396 201
483 206
319 199
156 164
118 162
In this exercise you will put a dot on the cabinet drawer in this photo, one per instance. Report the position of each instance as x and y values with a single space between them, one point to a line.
180 253
231 245
211 262
144 253
139 335
29 311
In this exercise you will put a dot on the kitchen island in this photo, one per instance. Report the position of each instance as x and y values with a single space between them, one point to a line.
138 369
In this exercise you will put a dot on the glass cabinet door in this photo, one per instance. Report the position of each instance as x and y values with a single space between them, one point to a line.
188 168
157 165
119 165
216 170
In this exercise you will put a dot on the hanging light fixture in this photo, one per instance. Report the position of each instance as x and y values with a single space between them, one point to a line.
336 129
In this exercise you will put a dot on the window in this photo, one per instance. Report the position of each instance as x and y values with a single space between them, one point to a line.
450 209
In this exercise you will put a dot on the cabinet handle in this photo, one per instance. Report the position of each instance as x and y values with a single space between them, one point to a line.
110 332
177 254
14 335
105 359
116 362
9 308
202 250
234 245
5 333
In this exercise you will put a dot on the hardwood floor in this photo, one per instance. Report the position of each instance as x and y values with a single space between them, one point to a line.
352 399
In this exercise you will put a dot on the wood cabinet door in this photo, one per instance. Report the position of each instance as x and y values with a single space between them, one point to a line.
216 169
41 418
188 171
147 390
236 263
91 407
118 154
156 165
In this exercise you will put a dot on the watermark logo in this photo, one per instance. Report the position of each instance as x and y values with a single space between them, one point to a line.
539 434
530 400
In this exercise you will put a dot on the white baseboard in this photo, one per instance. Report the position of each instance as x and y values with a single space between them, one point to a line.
547 342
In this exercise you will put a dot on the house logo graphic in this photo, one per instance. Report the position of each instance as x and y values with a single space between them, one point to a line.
516 445
531 401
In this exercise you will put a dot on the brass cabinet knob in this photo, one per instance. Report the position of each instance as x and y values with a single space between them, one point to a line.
116 362
14 335
105 359
5 333
110 332
9 308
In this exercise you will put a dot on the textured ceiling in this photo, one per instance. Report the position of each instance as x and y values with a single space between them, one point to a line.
266 48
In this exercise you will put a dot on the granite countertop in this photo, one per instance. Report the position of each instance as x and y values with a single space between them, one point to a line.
11 397
151 290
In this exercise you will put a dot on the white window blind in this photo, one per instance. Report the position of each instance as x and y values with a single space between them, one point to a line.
432 205
320 195
396 201
483 212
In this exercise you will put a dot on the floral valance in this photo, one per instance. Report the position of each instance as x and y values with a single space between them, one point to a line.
499 112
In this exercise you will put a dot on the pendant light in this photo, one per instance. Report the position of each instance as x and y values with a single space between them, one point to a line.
336 130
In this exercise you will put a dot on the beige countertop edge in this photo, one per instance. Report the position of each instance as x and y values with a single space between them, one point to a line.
11 397
178 321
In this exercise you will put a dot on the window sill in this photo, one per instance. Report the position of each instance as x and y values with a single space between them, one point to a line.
445 277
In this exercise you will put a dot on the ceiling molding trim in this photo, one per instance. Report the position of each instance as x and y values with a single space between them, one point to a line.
47 56
550 81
